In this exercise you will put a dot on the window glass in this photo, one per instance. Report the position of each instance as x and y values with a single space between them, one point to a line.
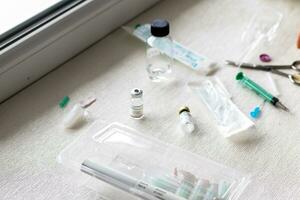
15 12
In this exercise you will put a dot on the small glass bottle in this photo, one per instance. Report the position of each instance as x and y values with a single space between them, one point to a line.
212 192
137 105
199 190
186 120
187 184
159 51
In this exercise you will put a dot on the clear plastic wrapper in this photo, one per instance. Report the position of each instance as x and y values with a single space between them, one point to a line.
179 52
231 122
259 35
258 40
114 158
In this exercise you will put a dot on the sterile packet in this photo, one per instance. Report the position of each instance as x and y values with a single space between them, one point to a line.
231 122
258 36
179 52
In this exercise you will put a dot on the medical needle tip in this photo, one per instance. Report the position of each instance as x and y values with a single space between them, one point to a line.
283 107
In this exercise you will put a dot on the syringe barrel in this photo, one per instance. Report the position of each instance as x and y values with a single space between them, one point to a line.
254 86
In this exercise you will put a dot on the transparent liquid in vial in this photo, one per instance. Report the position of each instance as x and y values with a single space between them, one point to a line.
187 124
159 58
137 110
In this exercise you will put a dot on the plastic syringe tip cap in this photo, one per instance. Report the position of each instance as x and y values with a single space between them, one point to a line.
239 76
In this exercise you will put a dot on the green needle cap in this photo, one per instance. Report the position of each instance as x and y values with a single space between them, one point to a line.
63 103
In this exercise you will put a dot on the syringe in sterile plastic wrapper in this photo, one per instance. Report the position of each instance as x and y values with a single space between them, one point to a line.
231 121
180 53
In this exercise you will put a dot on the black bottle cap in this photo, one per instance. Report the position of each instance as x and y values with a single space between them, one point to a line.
160 28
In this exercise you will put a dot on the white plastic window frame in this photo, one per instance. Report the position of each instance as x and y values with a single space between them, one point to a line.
39 52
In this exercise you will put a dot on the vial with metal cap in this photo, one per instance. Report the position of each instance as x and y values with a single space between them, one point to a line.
186 120
137 105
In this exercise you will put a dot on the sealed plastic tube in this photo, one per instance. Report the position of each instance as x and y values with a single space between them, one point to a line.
231 122
75 117
273 84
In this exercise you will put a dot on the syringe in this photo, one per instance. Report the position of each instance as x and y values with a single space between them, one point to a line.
260 91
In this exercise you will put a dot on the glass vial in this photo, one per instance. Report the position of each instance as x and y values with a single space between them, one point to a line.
159 51
199 190
212 192
187 184
186 120
137 105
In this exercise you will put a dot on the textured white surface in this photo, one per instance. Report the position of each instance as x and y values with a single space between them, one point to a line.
32 134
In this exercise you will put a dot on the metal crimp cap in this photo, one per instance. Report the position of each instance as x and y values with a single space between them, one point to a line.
136 92
183 109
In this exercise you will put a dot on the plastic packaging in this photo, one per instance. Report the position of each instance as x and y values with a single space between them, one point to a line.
259 33
273 84
180 53
115 157
75 117
231 122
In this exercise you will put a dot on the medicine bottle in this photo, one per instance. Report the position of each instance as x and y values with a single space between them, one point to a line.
186 120
159 51
137 105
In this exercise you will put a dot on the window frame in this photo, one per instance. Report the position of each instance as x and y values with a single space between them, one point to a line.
38 53
35 22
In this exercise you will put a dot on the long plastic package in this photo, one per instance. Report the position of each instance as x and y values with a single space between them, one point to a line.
260 33
114 158
182 54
